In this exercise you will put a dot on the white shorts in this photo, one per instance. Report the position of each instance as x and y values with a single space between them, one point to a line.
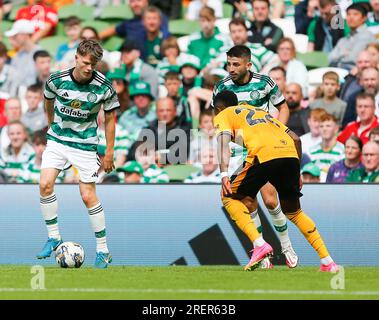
59 156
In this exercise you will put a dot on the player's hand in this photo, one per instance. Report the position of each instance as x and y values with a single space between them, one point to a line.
301 182
226 187
108 163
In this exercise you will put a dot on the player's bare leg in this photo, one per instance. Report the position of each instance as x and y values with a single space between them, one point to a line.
270 199
97 218
49 209
305 224
237 207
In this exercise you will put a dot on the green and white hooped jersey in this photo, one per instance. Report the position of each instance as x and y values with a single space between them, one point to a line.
258 92
76 107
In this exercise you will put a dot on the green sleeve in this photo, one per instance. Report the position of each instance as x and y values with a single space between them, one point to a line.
311 31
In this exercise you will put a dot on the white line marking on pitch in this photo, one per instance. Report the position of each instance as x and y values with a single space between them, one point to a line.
211 291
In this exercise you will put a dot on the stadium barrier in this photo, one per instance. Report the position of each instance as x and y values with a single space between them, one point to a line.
185 224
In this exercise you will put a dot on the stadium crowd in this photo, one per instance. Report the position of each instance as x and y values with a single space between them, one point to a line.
164 80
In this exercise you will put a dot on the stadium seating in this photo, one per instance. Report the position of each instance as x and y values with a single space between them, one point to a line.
300 41
223 25
51 44
227 10
98 25
287 25
182 27
312 60
113 43
114 14
82 11
179 172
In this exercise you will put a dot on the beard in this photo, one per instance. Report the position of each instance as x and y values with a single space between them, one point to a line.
293 104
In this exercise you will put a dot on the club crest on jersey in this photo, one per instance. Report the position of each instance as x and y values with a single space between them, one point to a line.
91 97
76 104
254 95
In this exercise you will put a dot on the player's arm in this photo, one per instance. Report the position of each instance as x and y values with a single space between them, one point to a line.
49 108
110 133
223 152
297 141
108 32
284 112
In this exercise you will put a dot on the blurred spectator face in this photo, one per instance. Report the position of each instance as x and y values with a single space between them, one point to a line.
207 26
3 59
238 34
73 32
330 88
352 151
142 101
293 95
17 135
365 109
146 158
374 54
374 137
364 60
309 178
132 177
355 19
43 66
152 21
118 85
370 156
314 126
33 99
88 34
137 6
286 51
189 72
370 80
326 13
260 11
375 5
279 78
172 86
328 129
171 52
166 111
206 125
209 161
13 110
39 149
237 68
13 42
85 65
129 57
21 39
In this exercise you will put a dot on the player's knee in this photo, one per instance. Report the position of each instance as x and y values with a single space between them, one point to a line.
88 198
46 187
271 202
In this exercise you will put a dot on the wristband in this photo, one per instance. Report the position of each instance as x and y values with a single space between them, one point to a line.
224 174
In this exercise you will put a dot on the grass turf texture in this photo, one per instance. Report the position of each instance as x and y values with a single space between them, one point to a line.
178 282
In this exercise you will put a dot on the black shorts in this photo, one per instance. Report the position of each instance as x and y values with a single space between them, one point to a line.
283 174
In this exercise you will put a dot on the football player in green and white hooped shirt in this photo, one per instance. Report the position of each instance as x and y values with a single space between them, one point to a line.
73 99
259 90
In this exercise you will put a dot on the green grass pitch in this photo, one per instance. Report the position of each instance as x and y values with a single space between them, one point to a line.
181 282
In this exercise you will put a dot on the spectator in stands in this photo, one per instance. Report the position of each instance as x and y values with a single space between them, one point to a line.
305 11
141 113
329 150
170 8
207 43
204 138
18 153
310 173
370 161
321 35
369 82
42 16
373 50
210 172
21 33
121 86
313 137
351 82
244 8
295 69
136 69
171 140
347 49
133 29
190 69
339 170
298 119
132 172
147 158
72 30
9 78
262 30
13 112
329 101
34 118
152 20
374 135
260 56
172 83
42 61
278 74
365 108
195 6
373 18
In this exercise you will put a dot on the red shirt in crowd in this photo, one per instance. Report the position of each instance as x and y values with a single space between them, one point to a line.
39 14
352 130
